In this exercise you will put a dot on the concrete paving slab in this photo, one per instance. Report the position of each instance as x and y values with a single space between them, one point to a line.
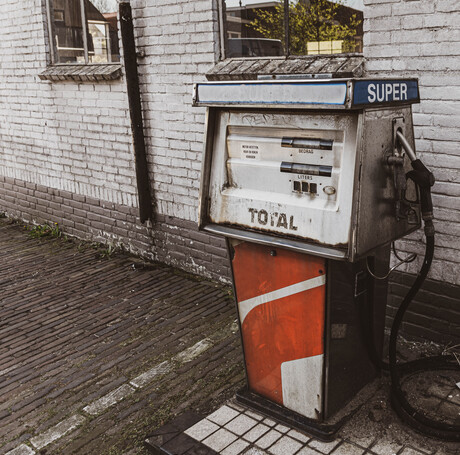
223 415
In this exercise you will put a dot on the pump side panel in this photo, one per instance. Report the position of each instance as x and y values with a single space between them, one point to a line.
376 223
281 304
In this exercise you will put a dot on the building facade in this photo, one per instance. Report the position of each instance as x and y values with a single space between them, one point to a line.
66 142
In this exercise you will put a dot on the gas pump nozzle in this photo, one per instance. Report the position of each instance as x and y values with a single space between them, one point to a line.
424 180
395 159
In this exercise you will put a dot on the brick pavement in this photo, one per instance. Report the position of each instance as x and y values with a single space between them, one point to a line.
96 353
75 327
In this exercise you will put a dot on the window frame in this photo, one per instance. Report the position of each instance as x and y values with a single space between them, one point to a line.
52 45
223 34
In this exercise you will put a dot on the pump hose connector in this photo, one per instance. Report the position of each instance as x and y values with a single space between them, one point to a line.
424 180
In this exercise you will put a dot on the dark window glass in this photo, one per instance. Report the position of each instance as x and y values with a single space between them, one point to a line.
68 31
256 28
70 24
244 39
103 34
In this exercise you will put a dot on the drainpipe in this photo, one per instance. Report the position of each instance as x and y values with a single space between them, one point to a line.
135 111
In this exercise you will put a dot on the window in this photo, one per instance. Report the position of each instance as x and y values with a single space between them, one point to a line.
257 28
83 31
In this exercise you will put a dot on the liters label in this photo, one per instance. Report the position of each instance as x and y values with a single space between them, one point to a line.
273 219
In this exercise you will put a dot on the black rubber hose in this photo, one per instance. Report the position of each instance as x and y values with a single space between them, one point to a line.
410 415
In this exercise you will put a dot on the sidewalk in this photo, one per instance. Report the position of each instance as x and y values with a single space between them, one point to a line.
76 328
98 352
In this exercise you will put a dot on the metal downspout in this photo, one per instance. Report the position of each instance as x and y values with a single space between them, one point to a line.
135 111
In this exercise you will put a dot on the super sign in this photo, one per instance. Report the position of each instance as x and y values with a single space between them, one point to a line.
385 91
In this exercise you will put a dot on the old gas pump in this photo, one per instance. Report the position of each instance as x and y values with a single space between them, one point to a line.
307 181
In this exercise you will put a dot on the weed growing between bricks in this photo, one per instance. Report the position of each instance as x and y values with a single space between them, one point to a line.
52 231
89 324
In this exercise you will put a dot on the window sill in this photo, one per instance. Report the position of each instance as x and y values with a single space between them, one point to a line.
332 66
82 73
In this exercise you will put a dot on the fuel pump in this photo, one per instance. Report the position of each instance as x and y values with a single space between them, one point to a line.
306 179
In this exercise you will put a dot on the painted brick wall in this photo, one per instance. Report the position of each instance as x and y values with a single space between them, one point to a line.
434 313
179 39
68 136
421 38
66 148
169 240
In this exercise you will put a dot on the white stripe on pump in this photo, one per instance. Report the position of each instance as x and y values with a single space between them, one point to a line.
246 306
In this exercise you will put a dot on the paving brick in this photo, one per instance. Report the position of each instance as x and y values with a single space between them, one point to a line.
410 451
79 327
299 436
241 424
202 429
384 447
255 451
57 431
223 415
348 449
323 447
21 450
307 451
256 432
220 439
268 439
235 448
254 414
285 446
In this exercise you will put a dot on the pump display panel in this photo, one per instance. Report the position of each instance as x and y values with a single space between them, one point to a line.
295 179
304 165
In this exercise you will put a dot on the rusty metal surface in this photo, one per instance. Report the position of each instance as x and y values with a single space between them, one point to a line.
254 194
376 221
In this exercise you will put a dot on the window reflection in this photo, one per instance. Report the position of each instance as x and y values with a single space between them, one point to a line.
68 31
102 29
245 40
256 28
69 24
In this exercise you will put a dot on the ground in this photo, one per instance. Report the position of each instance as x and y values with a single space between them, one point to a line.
99 349
77 323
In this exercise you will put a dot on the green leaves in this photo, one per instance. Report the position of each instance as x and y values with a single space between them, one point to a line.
314 21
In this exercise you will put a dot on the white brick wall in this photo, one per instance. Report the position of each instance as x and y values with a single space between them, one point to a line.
421 38
76 137
179 38
64 135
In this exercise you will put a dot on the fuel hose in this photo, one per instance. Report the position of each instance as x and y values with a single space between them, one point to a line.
418 419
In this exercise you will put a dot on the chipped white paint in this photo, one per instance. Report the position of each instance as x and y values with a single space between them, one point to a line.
113 397
147 377
194 351
246 306
57 432
21 450
102 404
302 385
